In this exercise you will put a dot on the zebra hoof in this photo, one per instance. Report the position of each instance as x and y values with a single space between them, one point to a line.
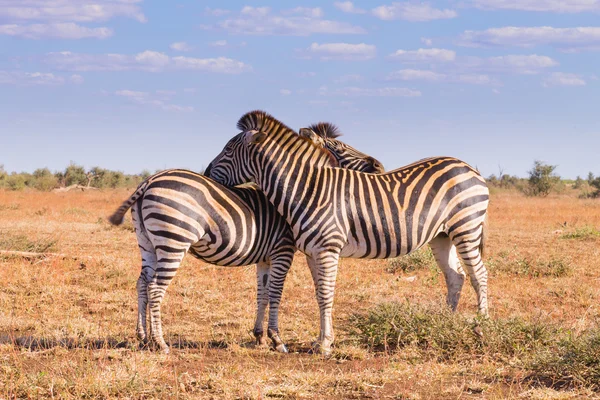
318 348
281 348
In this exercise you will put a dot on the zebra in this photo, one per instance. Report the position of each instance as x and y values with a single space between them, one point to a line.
179 211
337 213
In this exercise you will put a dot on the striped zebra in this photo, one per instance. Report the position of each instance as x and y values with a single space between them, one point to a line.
177 211
337 213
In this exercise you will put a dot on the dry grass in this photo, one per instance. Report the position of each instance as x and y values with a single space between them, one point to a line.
67 327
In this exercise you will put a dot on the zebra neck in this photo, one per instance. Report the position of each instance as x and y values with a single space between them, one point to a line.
291 181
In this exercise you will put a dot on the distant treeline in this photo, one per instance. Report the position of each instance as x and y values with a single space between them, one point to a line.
542 180
45 180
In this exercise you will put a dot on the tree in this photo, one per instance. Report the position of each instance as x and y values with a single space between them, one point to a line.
75 175
542 178
43 179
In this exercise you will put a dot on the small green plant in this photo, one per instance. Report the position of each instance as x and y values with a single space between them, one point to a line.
419 260
582 233
23 243
575 361
515 264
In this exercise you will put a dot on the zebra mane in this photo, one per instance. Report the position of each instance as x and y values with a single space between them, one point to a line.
326 130
264 122
259 120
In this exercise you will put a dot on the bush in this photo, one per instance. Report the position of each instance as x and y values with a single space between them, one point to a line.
575 361
15 182
583 233
44 180
420 259
438 333
75 175
542 179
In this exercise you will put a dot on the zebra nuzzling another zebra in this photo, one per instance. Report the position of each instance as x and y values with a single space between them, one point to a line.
179 211
337 213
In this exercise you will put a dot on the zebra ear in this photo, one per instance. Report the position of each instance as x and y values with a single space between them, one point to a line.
255 137
309 134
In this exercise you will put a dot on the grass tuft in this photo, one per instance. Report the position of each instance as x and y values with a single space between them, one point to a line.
419 260
23 243
438 333
582 233
575 361
515 264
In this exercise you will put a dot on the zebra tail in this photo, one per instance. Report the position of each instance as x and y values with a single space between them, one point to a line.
484 235
119 215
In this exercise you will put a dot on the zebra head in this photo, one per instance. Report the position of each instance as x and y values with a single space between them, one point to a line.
243 157
229 167
325 134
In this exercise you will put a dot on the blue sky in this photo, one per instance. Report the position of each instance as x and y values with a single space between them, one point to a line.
133 84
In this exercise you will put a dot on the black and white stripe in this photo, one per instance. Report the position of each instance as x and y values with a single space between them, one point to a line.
337 213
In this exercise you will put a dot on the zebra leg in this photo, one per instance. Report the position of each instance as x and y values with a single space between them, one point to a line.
148 267
468 247
280 266
262 300
445 255
325 265
166 268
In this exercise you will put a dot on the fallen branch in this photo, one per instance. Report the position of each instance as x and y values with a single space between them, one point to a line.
30 254
74 187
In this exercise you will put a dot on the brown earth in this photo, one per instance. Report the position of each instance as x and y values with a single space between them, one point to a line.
67 324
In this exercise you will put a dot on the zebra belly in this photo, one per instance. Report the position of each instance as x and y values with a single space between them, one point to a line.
235 256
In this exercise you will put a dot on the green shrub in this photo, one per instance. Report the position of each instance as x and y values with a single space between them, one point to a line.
513 263
23 243
438 333
575 361
542 179
420 259
582 233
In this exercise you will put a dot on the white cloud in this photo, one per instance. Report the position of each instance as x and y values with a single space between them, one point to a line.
424 55
308 12
432 76
218 43
570 39
412 11
342 51
285 92
348 7
69 10
416 75
145 98
180 46
65 30
37 19
216 12
563 79
307 74
221 65
256 11
352 91
555 6
521 64
30 78
427 41
294 22
151 61
349 78
76 79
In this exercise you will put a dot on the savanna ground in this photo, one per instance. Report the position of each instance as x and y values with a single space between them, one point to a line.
67 324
